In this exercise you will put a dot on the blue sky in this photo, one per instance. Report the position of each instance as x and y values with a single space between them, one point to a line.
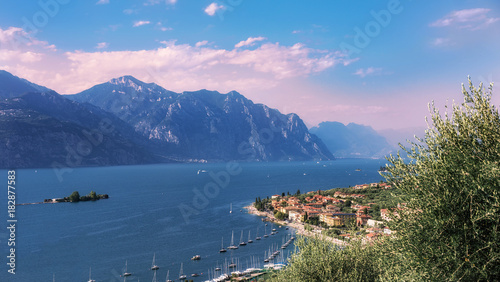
376 63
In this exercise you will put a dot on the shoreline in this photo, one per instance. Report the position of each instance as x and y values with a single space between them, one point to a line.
299 227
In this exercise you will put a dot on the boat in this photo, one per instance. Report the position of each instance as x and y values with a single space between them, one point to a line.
242 243
195 275
265 231
153 265
196 257
358 169
90 275
232 246
166 279
258 237
125 273
222 250
181 275
249 240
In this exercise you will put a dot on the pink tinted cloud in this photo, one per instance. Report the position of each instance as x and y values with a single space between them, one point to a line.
471 19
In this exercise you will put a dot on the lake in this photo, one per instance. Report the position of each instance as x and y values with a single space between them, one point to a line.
174 211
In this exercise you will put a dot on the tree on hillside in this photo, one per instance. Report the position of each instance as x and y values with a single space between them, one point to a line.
449 228
320 260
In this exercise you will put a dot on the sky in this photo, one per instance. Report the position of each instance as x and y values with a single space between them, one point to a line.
377 63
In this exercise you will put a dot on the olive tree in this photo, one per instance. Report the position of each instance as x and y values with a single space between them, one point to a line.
448 229
316 259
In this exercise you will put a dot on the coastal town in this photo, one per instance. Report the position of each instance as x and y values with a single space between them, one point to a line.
337 215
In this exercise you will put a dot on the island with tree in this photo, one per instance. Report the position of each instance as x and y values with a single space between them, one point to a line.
75 197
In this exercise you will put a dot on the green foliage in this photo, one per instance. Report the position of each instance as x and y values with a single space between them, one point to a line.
451 185
313 220
332 232
74 197
320 260
262 205
347 203
280 216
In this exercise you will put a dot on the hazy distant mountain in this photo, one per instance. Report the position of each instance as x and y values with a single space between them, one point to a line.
205 125
13 86
48 130
352 140
396 136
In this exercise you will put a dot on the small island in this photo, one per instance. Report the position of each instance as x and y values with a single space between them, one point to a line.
75 197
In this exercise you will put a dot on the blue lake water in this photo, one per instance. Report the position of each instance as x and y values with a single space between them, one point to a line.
173 210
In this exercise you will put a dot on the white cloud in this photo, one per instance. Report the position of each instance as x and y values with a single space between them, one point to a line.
102 2
249 42
20 56
160 26
213 8
140 23
178 67
442 42
201 43
471 19
368 71
15 36
185 67
128 11
102 45
155 2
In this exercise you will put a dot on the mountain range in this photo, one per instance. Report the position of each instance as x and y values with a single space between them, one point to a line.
352 140
127 121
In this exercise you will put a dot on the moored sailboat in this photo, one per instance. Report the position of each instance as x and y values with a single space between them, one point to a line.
258 237
242 243
90 275
222 250
125 273
153 265
181 274
232 246
167 279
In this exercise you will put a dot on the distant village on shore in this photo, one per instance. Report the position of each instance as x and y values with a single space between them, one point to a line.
361 211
